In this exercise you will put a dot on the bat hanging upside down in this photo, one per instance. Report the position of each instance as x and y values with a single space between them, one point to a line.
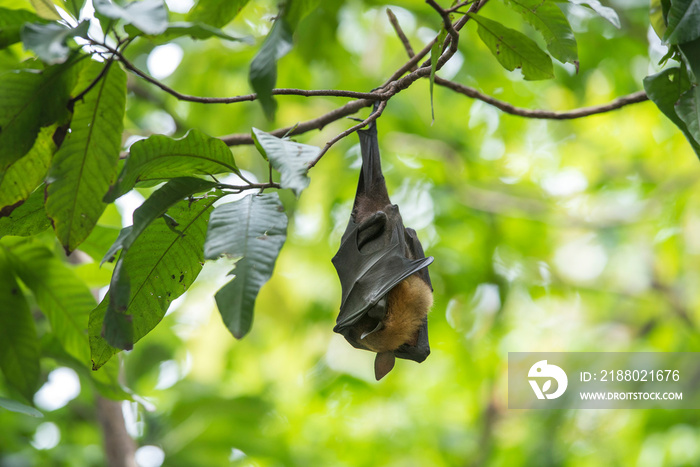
383 272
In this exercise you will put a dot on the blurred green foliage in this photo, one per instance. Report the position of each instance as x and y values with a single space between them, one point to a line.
580 235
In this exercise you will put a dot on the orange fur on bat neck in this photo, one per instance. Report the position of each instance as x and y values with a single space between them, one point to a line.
407 306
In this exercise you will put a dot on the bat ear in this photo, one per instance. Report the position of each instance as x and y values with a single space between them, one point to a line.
383 364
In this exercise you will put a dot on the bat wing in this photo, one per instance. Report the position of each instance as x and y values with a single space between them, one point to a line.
369 270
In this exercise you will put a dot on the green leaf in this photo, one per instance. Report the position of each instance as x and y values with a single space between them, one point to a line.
217 13
683 22
296 10
548 19
86 164
11 22
658 12
30 100
263 68
688 109
434 56
162 263
160 157
199 31
255 229
73 6
22 177
48 41
514 49
691 55
28 219
604 12
61 295
19 345
118 331
149 16
18 407
289 158
99 241
665 89
46 9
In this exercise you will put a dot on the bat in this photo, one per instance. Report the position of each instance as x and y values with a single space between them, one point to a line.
383 272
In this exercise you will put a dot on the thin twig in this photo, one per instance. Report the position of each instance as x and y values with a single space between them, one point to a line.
374 96
101 75
635 97
373 116
402 36
251 186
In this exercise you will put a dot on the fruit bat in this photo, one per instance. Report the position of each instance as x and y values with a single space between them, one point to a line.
383 272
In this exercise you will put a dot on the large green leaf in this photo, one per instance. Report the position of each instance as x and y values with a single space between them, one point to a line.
683 22
217 13
255 229
289 158
22 177
150 16
160 157
118 331
15 406
46 9
688 109
61 295
604 12
73 6
19 346
30 100
691 55
11 22
514 49
658 11
665 89
162 263
86 164
263 68
48 41
549 20
195 30
28 219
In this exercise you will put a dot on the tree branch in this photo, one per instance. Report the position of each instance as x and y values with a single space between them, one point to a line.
349 131
639 96
506 107
120 449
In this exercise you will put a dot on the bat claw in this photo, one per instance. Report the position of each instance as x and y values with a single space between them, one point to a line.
378 327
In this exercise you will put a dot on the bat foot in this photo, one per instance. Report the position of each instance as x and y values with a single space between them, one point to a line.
383 364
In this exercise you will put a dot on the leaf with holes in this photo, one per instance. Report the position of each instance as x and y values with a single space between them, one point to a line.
19 345
549 20
289 158
514 49
86 164
30 100
253 229
162 263
118 331
160 157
